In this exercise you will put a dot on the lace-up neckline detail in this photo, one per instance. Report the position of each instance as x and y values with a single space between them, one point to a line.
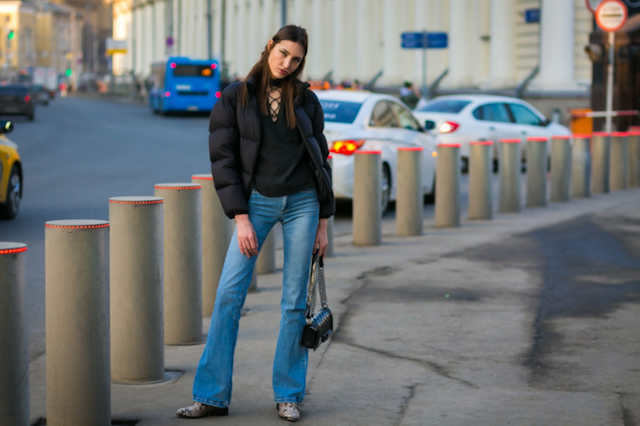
274 98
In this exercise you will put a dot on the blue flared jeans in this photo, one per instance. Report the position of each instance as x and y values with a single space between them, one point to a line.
298 214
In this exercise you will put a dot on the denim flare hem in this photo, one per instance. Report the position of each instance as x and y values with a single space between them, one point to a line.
211 403
298 214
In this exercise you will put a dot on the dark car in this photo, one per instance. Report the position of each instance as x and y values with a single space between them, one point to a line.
15 99
39 95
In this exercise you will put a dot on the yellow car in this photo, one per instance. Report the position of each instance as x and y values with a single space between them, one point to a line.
10 174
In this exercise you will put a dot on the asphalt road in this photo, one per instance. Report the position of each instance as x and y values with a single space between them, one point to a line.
79 152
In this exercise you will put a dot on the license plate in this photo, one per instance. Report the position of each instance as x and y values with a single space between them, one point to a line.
192 108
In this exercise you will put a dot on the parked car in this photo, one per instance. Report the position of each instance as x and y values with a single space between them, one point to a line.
369 121
465 118
15 99
10 174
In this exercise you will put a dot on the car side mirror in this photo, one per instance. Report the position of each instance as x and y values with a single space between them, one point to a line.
6 126
429 125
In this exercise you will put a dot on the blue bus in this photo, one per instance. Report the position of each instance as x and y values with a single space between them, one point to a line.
183 84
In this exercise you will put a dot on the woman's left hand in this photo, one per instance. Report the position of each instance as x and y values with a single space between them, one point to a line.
322 241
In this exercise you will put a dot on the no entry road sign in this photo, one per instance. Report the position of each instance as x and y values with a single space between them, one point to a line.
423 40
611 15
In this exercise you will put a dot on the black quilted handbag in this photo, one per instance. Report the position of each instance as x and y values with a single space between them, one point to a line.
319 326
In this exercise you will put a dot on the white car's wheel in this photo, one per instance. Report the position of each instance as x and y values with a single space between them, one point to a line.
385 187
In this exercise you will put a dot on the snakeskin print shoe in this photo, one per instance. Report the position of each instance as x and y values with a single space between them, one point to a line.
288 411
198 410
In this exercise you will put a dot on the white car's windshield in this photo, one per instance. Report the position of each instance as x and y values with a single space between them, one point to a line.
339 111
445 105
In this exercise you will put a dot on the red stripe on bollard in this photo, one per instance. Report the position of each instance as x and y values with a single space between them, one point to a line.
368 152
106 225
620 134
634 133
481 143
449 145
561 137
537 139
198 177
582 136
11 251
136 202
510 141
178 187
603 134
411 149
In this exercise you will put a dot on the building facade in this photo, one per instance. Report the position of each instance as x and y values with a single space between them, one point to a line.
492 44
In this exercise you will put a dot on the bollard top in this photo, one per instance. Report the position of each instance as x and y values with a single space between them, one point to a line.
582 136
510 141
564 137
136 200
11 248
368 152
448 145
601 134
487 143
634 133
202 177
620 134
178 186
411 148
537 139
77 224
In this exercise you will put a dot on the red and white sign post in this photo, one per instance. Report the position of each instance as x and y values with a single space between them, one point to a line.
610 17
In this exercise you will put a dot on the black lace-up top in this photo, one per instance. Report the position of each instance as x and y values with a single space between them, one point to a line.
283 162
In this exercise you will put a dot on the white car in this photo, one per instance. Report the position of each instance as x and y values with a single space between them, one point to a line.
461 119
370 121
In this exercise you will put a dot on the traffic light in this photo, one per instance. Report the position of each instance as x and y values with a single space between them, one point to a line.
69 72
11 34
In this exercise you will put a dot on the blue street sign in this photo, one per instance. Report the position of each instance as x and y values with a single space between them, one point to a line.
532 16
419 41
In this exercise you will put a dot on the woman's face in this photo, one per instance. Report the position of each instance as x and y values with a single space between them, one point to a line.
284 58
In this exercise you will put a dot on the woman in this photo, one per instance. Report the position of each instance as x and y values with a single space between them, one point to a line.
268 160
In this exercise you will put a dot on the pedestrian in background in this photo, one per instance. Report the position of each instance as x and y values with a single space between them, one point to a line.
268 160
409 95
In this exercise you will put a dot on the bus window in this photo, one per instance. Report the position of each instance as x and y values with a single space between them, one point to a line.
192 71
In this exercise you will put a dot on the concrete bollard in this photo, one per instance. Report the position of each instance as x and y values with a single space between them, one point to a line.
537 172
618 161
14 337
581 166
448 186
560 168
136 289
367 202
634 159
510 198
217 230
600 153
182 263
409 210
330 248
266 263
480 180
77 322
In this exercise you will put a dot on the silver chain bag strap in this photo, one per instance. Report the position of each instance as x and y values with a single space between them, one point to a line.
319 326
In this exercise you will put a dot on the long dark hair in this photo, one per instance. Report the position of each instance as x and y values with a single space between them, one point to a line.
260 74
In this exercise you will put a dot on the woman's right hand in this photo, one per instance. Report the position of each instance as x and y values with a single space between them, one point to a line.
247 239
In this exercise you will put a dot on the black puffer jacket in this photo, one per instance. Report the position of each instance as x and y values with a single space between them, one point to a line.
234 142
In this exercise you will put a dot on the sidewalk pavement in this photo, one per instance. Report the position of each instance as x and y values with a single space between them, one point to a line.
456 327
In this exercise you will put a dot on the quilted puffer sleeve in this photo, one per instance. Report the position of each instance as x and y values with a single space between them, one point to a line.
328 208
224 152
